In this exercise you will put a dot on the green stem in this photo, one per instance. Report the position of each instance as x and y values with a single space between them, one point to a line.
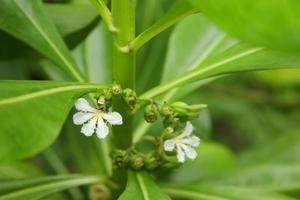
123 12
123 66
105 14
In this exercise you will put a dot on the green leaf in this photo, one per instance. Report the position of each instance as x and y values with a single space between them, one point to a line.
32 114
27 21
179 10
237 57
140 186
274 24
271 177
18 170
73 21
202 40
221 193
96 60
192 42
213 160
286 147
38 188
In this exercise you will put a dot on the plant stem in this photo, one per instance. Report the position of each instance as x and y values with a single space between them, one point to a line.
105 14
123 66
123 12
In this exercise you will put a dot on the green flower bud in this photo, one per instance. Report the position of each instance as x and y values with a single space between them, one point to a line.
101 100
151 113
180 108
151 163
136 162
116 89
165 110
130 97
197 107
170 129
120 158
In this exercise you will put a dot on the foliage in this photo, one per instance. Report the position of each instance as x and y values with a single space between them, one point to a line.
159 70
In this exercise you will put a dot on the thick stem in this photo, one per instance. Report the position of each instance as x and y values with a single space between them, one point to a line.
123 12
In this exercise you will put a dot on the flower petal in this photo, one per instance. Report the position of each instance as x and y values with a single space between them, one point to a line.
113 118
180 154
89 128
187 130
83 105
81 117
189 151
193 141
169 145
102 129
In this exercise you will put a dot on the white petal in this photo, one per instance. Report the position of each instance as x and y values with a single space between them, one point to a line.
169 145
83 105
81 117
113 118
102 129
189 151
89 128
180 154
193 141
187 130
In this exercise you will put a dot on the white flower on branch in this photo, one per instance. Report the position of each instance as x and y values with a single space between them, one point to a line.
183 144
94 119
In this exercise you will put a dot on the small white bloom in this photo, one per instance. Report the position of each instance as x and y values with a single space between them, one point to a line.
183 144
93 119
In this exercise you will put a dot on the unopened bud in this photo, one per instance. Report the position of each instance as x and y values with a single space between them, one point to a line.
197 107
130 97
136 162
165 110
151 113
120 158
151 163
101 100
170 129
180 108
116 89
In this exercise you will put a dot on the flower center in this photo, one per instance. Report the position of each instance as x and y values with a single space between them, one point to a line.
98 113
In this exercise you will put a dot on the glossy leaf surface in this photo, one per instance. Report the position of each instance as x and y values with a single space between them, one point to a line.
32 114
27 21
38 188
140 186
275 24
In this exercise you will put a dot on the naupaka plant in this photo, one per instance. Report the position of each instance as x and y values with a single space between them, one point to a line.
104 60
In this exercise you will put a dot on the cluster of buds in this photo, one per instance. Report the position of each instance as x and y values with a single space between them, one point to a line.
135 160
128 95
174 114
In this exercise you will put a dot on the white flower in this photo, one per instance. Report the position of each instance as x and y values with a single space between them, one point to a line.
183 144
93 119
